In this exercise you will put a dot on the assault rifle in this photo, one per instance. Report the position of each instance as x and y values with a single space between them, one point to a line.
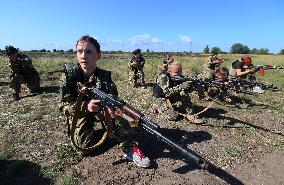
252 85
228 86
134 117
266 67
262 68
201 85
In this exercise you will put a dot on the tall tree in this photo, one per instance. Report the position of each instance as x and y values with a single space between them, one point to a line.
239 48
263 51
206 50
216 50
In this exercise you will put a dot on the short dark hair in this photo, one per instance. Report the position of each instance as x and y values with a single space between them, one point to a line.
10 50
90 39
222 70
136 51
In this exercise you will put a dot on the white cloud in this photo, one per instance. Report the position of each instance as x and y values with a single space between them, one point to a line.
145 39
116 41
50 44
184 38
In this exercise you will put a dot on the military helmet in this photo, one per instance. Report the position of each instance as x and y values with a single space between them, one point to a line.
136 51
10 50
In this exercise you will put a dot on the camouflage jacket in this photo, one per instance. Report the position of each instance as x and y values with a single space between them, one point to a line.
209 64
73 74
139 60
167 88
22 65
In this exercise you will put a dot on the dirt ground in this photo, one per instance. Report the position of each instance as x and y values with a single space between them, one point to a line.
245 144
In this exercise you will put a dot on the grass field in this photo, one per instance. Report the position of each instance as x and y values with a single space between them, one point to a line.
33 130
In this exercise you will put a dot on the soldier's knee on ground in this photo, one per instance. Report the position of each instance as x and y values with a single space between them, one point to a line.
194 119
159 105
172 115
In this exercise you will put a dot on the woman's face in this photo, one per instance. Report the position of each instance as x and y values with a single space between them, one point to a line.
222 75
87 56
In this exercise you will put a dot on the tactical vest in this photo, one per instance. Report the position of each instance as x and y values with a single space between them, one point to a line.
74 74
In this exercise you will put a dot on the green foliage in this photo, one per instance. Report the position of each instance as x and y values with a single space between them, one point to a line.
72 177
234 151
216 50
281 52
254 51
206 50
263 51
7 153
240 49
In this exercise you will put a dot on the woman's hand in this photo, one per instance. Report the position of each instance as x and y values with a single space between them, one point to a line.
94 105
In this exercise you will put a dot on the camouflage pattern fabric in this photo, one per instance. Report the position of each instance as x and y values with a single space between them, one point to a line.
89 125
23 72
222 95
171 99
209 68
136 73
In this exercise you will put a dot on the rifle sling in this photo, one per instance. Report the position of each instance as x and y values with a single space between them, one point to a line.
76 116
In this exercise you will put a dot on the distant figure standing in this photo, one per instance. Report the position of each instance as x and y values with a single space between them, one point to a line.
211 65
168 60
22 72
136 65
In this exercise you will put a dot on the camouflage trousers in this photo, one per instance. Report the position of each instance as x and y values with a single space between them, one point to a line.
136 77
90 128
220 94
207 73
32 81
170 107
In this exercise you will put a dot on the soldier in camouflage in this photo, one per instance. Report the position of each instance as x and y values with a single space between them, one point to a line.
172 98
92 119
136 65
221 74
168 60
22 72
210 66
243 68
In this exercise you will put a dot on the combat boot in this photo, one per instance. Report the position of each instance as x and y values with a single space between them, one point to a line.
194 119
15 97
172 115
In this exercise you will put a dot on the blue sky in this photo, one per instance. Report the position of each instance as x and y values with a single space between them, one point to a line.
159 25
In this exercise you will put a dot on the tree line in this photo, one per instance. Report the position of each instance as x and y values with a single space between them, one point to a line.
239 48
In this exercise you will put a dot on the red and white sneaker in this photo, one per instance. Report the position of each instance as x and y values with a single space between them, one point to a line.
135 154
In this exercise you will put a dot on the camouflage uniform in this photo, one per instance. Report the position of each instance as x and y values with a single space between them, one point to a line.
209 67
221 94
85 133
238 64
23 72
171 97
136 73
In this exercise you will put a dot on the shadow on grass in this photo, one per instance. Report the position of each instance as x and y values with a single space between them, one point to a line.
19 172
50 89
156 149
218 114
